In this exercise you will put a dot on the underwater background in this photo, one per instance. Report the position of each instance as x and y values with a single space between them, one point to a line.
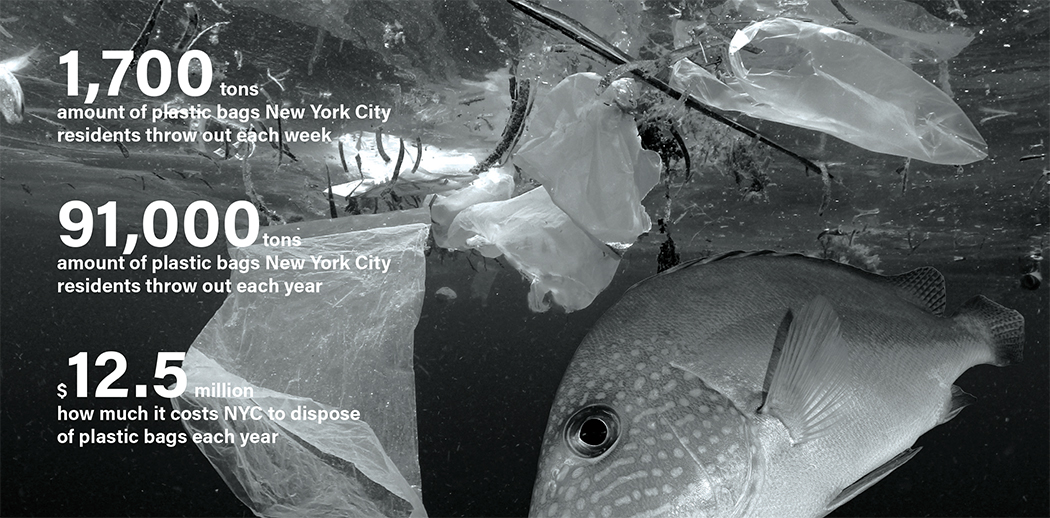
487 367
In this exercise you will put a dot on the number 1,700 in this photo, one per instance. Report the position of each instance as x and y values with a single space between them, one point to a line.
126 57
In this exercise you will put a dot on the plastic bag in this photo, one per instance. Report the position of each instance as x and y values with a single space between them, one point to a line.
586 152
346 347
901 29
565 264
828 80
491 185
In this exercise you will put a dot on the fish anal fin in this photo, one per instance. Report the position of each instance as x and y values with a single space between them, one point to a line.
871 479
923 286
809 379
1004 328
959 400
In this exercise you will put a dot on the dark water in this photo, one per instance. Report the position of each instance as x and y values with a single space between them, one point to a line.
487 373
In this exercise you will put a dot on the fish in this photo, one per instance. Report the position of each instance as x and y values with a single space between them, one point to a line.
759 384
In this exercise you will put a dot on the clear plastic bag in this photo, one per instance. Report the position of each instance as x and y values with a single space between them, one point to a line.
586 152
904 30
491 185
346 347
816 77
565 264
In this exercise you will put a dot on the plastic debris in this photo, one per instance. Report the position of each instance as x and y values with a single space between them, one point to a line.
346 347
492 185
12 101
566 265
820 78
595 43
446 293
586 152
904 30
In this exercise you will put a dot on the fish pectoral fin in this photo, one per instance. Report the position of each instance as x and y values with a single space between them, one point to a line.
959 400
809 378
870 479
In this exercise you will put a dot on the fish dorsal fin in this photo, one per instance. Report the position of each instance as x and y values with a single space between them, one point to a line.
923 286
959 400
871 479
809 379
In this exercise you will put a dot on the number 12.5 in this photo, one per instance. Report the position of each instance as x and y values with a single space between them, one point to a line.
120 365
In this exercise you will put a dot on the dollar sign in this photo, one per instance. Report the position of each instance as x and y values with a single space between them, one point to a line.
62 390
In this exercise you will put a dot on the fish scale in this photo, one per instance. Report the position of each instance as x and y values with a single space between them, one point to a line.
759 384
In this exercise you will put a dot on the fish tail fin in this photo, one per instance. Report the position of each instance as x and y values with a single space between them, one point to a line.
1004 328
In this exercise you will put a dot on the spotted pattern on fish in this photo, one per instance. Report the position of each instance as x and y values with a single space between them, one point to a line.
679 437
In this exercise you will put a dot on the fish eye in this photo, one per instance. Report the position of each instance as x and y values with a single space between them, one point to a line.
592 430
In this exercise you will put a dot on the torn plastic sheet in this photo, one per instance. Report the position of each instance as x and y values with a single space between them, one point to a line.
565 264
828 80
491 185
346 347
904 30
586 152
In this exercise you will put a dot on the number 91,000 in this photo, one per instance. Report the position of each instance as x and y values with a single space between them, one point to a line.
84 224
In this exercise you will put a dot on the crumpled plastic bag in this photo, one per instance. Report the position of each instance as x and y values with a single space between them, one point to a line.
347 347
586 152
565 264
816 77
491 185
904 30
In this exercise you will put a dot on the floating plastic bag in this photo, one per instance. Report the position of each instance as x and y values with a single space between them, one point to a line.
587 153
564 263
828 80
346 347
901 29
491 185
